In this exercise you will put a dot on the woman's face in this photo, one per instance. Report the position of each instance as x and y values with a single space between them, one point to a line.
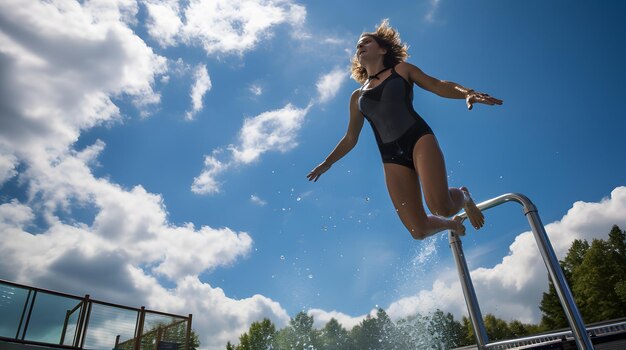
367 49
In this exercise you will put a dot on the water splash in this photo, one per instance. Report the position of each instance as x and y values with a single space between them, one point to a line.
426 252
410 275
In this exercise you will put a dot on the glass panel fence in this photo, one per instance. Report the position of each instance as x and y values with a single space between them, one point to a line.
48 317
12 302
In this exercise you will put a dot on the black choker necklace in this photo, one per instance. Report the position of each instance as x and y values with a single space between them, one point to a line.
375 76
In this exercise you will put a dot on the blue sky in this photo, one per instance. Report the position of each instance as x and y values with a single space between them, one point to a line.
169 141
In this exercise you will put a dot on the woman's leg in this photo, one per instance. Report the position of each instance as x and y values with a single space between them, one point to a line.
441 199
404 189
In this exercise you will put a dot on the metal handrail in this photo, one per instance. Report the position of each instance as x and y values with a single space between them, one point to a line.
84 307
549 257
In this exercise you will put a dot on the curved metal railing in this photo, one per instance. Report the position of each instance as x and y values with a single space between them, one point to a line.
552 264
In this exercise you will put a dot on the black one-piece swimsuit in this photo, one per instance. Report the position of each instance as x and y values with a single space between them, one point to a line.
388 108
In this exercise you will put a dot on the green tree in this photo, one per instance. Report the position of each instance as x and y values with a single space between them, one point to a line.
412 333
445 331
519 329
260 337
468 331
375 333
617 239
595 281
335 337
299 335
596 274
497 329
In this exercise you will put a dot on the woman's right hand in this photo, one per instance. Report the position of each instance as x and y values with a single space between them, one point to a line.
318 171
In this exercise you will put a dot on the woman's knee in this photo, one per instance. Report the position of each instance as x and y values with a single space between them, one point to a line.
417 232
441 208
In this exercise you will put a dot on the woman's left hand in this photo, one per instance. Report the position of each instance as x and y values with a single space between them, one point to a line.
479 97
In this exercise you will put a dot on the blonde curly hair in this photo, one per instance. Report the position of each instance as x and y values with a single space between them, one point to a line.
388 38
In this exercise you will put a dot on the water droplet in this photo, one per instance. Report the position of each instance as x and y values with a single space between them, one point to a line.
282 257
367 199
403 204
324 228
310 276
298 199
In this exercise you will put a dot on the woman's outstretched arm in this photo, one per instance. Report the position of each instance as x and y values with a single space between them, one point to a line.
347 142
444 88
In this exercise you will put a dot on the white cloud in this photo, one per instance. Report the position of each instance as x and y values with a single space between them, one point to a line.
256 90
62 66
514 286
269 131
257 200
63 63
321 317
221 26
224 319
206 182
275 130
432 11
164 22
329 84
202 84
8 162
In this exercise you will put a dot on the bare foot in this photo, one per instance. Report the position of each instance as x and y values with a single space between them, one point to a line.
458 226
475 216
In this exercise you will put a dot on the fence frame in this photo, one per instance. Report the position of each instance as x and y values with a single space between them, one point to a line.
84 307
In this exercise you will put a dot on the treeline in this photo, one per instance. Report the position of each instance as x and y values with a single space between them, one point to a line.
596 273
438 330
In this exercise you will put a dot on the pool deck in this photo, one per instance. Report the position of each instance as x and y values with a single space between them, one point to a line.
609 335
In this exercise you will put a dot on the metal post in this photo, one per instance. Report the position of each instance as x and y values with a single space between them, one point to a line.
140 320
17 334
30 312
67 317
80 322
562 289
188 335
549 257
86 321
468 291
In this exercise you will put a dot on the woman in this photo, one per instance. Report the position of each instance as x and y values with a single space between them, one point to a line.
410 152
